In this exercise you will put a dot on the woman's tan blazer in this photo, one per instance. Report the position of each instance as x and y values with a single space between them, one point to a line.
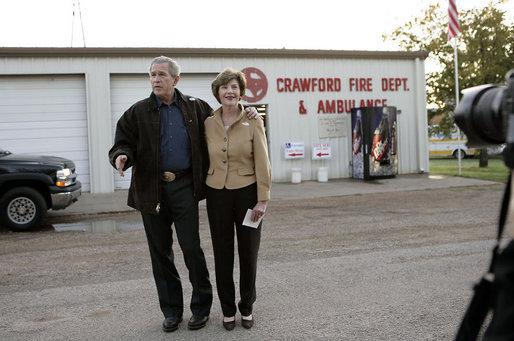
239 156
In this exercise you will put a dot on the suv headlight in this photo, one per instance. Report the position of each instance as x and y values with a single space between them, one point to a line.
63 177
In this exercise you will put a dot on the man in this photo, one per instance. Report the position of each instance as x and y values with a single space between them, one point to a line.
162 139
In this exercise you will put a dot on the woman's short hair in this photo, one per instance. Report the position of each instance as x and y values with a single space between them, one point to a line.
173 66
226 76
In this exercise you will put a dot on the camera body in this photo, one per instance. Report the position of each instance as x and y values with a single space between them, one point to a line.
486 115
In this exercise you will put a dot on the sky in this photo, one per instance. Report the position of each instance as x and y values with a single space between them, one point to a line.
274 24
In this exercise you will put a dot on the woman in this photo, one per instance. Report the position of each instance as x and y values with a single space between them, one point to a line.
238 180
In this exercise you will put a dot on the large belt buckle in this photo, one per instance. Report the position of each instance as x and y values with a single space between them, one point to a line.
168 176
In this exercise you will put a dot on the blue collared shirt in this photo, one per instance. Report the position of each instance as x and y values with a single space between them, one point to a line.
175 143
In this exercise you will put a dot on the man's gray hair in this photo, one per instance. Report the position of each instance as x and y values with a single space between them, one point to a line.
172 65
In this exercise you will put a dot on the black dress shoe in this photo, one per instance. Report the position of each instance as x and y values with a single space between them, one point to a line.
170 324
197 322
229 325
247 323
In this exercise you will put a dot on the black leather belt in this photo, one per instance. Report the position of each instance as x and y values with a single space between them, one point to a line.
172 176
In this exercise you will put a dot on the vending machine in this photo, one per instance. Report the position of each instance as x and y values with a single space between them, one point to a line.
374 147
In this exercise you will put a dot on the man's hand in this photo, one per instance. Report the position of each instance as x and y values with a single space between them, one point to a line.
120 163
252 113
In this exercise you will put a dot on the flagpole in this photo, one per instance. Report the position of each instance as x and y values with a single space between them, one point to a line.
457 100
453 31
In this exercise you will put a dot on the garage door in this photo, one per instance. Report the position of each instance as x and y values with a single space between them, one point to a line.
128 89
46 115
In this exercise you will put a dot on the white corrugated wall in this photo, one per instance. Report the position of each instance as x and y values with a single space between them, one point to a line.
105 74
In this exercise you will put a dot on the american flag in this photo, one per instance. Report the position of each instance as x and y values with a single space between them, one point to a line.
453 20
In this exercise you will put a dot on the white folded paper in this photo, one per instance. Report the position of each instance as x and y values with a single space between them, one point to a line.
248 220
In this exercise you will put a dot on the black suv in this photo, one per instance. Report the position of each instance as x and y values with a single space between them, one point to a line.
32 184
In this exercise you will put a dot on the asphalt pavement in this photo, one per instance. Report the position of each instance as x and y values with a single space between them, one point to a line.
98 203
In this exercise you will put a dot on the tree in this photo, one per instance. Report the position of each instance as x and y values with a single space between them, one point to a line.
485 53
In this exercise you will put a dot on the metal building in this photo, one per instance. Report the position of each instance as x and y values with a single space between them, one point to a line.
66 102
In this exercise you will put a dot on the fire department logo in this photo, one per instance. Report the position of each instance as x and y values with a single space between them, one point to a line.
256 84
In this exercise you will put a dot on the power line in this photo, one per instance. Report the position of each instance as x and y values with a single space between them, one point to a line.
76 3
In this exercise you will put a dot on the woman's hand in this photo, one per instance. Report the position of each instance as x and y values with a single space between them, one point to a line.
259 210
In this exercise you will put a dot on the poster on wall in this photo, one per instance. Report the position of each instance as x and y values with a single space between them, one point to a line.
321 151
331 127
294 150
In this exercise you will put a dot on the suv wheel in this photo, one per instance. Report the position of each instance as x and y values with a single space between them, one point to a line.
22 208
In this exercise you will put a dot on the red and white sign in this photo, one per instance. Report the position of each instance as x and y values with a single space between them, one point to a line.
294 150
321 151
256 84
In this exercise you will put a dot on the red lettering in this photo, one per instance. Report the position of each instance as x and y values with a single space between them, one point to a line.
353 83
308 84
321 108
287 84
333 106
296 85
321 84
349 106
302 109
361 84
397 83
279 88
330 107
405 88
330 84
305 83
340 106
394 84
384 84
365 84
345 106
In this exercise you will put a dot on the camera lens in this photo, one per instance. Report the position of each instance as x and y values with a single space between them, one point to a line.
480 116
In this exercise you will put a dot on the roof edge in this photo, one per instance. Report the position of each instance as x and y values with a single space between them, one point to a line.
202 52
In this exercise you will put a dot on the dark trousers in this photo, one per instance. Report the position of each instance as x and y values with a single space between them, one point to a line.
179 207
501 327
226 209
